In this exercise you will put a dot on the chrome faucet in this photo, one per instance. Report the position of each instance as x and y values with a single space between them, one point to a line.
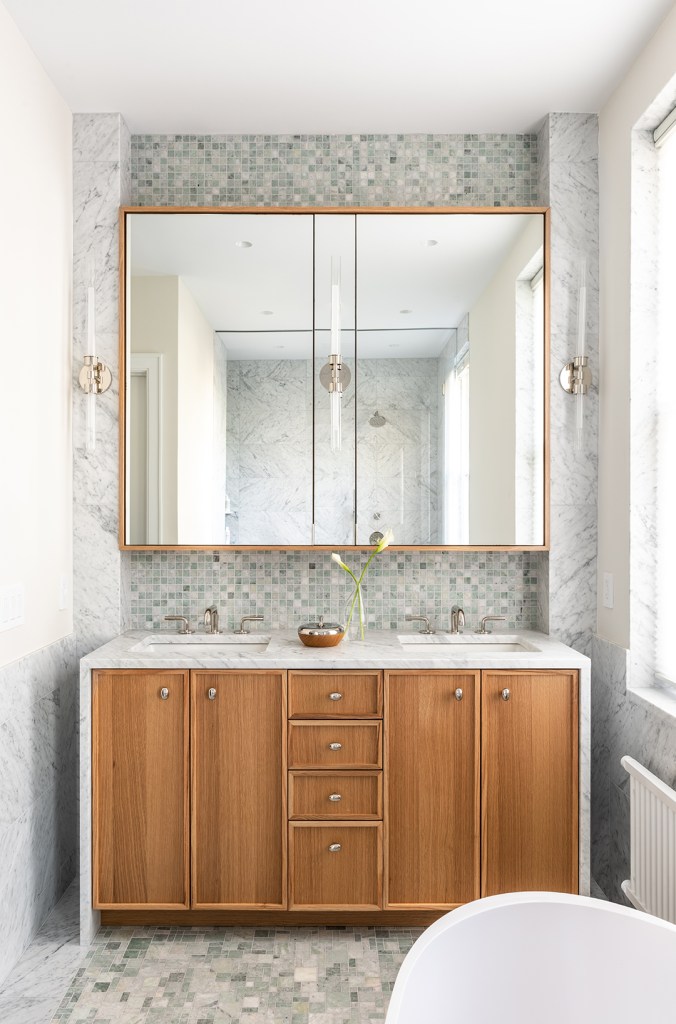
421 618
247 618
457 619
489 618
211 619
180 618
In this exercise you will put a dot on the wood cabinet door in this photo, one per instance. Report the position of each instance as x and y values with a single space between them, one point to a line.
432 788
529 782
238 744
140 789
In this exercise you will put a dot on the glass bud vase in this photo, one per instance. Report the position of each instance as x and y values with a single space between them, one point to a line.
354 616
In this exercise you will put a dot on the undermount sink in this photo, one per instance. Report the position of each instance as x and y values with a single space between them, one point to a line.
204 645
448 644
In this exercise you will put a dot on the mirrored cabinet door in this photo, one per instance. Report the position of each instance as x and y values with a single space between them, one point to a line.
450 359
219 370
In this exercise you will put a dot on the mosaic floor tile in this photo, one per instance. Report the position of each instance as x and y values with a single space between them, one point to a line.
223 975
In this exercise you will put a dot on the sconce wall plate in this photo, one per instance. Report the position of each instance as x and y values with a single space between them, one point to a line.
328 377
576 377
94 377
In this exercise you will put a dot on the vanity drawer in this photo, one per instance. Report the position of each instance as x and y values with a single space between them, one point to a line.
335 866
335 694
342 794
335 745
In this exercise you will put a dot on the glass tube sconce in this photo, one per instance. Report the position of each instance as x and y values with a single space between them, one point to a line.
94 377
575 377
335 376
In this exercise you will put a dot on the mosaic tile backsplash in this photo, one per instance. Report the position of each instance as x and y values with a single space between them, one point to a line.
334 170
288 588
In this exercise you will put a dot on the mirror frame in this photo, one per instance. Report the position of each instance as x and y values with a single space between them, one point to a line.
126 211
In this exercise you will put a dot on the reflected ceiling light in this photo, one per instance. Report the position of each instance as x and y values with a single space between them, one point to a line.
267 312
334 375
430 242
405 311
393 344
243 244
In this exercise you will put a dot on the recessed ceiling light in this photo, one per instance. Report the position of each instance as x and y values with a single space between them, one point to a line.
280 346
267 312
393 344
405 311
243 244
430 242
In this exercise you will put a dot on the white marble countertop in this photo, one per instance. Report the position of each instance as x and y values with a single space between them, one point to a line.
380 649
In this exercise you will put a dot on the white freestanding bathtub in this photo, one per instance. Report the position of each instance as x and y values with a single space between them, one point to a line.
539 958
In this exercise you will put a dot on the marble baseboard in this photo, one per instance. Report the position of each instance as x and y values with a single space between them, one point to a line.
38 791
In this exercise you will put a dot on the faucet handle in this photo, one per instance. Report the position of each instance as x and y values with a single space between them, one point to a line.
421 618
247 618
489 618
179 618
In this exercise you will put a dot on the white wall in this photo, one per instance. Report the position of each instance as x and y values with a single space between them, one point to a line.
195 422
35 345
492 361
648 76
154 329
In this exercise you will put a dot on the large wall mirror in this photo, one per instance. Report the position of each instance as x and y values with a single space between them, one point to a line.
312 378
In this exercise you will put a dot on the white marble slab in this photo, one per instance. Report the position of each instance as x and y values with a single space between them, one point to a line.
380 649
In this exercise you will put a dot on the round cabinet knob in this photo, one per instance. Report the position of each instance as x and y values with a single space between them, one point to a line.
164 693
211 694
335 746
458 694
335 797
505 694
335 848
335 696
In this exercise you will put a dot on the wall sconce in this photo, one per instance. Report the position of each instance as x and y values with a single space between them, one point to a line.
334 375
94 377
576 377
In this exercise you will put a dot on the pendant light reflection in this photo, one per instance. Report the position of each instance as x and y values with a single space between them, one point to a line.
335 376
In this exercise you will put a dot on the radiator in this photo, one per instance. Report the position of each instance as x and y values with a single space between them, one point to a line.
652 886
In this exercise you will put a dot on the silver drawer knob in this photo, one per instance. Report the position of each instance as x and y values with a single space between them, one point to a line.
212 693
164 693
335 797
505 694
458 694
335 696
335 746
335 848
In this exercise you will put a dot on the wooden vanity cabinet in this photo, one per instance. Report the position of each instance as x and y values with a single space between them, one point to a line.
238 738
432 789
529 834
409 792
140 797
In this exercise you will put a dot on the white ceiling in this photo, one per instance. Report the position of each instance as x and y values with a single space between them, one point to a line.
311 67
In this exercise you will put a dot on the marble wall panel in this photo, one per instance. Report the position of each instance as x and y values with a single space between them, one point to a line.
571 182
622 723
38 791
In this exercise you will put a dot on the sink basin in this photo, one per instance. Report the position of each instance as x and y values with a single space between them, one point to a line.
207 645
447 644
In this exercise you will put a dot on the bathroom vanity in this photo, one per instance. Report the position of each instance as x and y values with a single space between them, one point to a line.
388 780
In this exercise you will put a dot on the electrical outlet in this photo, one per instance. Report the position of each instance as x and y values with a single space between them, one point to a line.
608 590
12 606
